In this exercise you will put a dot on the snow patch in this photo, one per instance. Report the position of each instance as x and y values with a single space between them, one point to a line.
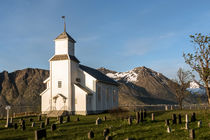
129 76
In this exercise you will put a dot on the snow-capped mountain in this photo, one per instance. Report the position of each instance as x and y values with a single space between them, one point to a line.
196 88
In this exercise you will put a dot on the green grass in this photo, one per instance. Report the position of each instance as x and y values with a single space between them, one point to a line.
119 128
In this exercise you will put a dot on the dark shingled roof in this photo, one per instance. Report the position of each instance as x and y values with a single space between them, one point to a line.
98 75
65 35
64 57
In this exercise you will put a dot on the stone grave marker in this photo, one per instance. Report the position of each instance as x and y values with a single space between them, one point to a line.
166 108
98 121
42 125
193 118
174 118
53 127
168 129
104 118
31 120
11 120
108 137
145 113
33 124
15 126
40 134
153 116
199 124
60 119
129 121
141 116
23 125
187 126
179 119
39 118
68 118
77 119
137 117
90 135
186 118
106 132
47 121
192 133
167 122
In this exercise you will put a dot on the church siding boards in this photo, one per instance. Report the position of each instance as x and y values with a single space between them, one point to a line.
76 88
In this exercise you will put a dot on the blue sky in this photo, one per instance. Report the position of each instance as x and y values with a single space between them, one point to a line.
115 34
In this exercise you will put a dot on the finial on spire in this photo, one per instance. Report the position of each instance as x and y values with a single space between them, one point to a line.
64 23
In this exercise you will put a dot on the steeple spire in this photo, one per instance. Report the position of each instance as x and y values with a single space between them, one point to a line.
64 23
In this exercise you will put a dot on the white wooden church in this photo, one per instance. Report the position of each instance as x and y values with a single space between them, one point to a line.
75 88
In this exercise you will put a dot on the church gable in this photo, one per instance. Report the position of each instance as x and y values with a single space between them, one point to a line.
64 57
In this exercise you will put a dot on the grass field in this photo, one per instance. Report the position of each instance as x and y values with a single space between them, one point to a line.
119 128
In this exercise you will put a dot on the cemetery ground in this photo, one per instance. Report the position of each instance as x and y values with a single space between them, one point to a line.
117 123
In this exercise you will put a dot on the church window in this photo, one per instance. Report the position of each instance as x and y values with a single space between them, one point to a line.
59 84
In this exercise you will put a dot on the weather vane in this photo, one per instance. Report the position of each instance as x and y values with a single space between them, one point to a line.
63 17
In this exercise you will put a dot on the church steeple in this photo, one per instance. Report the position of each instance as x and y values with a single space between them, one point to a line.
64 23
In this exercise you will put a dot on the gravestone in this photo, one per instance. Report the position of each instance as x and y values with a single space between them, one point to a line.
31 120
179 119
47 121
199 124
98 121
137 117
129 121
60 119
187 126
15 126
145 113
141 116
39 118
53 127
104 118
186 118
68 118
33 124
153 116
40 134
192 133
11 120
166 108
23 125
171 107
168 129
193 118
42 125
174 118
77 119
167 122
90 135
108 137
106 132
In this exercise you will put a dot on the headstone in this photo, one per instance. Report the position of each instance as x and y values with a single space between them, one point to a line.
60 119
145 113
39 118
129 121
153 116
166 108
174 118
98 121
40 134
186 118
192 133
77 119
33 124
68 118
199 124
137 117
104 118
171 107
141 116
23 126
108 137
106 132
15 126
187 126
47 121
53 127
90 135
42 125
31 120
11 120
179 119
168 129
193 118
167 122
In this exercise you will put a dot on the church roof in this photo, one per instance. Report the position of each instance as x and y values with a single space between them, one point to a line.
64 57
65 35
98 75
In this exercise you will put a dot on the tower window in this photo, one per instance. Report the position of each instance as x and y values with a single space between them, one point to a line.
59 84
